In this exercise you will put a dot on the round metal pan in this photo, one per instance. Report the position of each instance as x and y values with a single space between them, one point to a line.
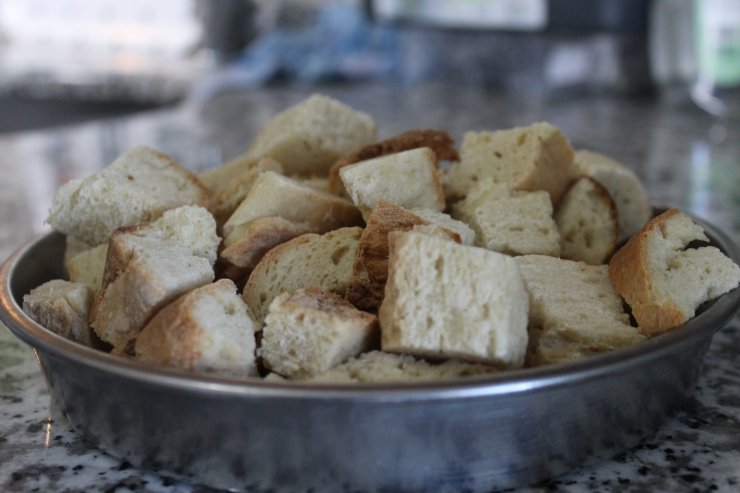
475 435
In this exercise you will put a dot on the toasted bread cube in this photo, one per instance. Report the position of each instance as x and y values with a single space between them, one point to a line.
588 223
381 367
207 330
446 300
538 157
409 179
574 311
62 307
142 275
87 267
624 187
370 268
511 222
311 331
324 261
663 280
138 186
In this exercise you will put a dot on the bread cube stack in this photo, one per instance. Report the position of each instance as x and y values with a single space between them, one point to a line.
326 256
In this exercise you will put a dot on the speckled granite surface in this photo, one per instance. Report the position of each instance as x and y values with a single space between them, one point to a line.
685 159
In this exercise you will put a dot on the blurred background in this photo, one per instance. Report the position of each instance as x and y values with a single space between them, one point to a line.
64 61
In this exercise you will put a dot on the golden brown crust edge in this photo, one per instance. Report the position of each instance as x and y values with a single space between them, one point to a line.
630 275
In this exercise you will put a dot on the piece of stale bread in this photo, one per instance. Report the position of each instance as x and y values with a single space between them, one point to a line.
574 311
225 201
587 220
149 274
370 267
538 157
438 141
511 222
662 279
409 179
205 330
625 188
324 261
306 139
382 367
62 307
138 186
453 301
310 331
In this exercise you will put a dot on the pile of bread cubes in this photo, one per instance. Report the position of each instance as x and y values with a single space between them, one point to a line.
324 255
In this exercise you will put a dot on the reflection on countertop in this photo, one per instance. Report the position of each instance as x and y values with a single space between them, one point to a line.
685 158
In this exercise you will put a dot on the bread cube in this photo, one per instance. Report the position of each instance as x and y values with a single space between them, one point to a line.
206 330
62 307
310 331
588 223
574 311
409 179
138 186
663 280
511 222
538 157
445 300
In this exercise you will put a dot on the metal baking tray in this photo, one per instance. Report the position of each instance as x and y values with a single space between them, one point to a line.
472 435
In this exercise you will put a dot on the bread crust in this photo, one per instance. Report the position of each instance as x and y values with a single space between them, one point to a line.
438 141
629 272
259 237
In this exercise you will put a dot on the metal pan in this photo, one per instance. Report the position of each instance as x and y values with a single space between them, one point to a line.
472 435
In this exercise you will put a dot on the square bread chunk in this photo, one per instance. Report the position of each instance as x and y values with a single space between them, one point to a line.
587 220
663 280
138 186
62 307
370 268
142 275
207 330
538 157
310 331
629 194
324 261
511 222
87 267
574 310
453 301
381 367
409 179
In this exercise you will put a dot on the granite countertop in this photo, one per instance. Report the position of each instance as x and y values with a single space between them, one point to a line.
684 158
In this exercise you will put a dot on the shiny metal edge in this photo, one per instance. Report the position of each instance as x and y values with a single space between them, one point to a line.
714 317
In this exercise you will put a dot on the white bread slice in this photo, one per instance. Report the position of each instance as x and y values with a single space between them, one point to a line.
87 267
574 310
409 179
62 307
588 223
310 331
466 236
274 195
538 157
453 301
142 274
138 186
511 222
381 367
438 141
206 330
324 261
370 267
227 199
625 188
662 280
